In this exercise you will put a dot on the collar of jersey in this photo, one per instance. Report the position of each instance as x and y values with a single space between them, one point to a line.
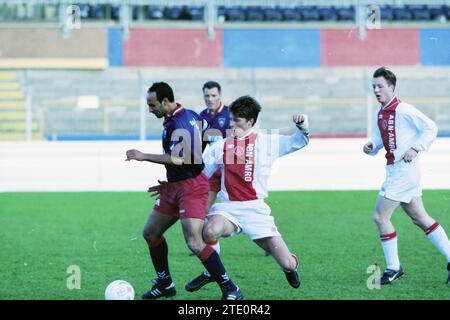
174 112
251 132
218 111
392 102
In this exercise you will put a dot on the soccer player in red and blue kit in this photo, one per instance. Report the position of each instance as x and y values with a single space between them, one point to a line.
183 197
217 117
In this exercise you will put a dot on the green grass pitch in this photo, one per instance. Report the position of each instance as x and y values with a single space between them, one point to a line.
333 233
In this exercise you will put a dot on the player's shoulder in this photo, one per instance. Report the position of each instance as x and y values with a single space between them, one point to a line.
191 112
204 113
405 108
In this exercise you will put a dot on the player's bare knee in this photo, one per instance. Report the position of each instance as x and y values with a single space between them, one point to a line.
150 234
379 219
195 245
209 234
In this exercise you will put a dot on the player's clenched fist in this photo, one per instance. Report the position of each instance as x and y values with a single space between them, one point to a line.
134 154
301 121
298 118
368 147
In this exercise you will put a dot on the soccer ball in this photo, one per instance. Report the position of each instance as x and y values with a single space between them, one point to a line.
119 290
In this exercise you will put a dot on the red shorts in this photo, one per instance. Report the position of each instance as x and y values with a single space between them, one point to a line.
185 198
214 181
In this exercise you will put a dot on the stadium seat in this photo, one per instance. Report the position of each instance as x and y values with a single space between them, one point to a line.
172 13
235 14
184 14
135 12
196 13
221 13
291 14
309 13
420 12
115 12
154 12
438 13
272 14
96 12
346 14
328 14
254 14
386 13
402 14
84 10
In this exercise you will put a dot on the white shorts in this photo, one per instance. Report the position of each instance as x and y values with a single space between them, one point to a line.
250 217
402 181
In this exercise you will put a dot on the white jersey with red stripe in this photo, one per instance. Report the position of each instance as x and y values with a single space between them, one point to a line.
246 162
398 127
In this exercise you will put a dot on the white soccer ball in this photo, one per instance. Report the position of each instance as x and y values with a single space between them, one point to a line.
119 290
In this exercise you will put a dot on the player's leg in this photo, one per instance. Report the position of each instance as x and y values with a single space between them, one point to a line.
280 252
211 199
383 212
218 226
214 188
192 214
154 229
215 227
433 230
192 230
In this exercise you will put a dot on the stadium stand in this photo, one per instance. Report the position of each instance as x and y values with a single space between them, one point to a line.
229 11
116 70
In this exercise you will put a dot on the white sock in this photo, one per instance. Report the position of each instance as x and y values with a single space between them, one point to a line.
438 237
216 247
389 244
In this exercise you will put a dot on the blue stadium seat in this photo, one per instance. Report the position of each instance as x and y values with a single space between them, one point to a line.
420 12
328 14
84 10
402 13
184 14
272 14
386 13
96 12
438 13
254 14
115 12
172 13
346 14
154 12
135 12
235 14
196 13
309 13
291 14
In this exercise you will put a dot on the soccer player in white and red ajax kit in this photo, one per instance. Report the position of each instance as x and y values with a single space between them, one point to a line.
404 132
245 160
183 197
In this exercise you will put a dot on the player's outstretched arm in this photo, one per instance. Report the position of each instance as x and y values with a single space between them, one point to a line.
134 154
289 144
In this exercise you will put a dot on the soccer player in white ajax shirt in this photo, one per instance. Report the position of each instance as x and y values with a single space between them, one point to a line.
404 132
245 159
